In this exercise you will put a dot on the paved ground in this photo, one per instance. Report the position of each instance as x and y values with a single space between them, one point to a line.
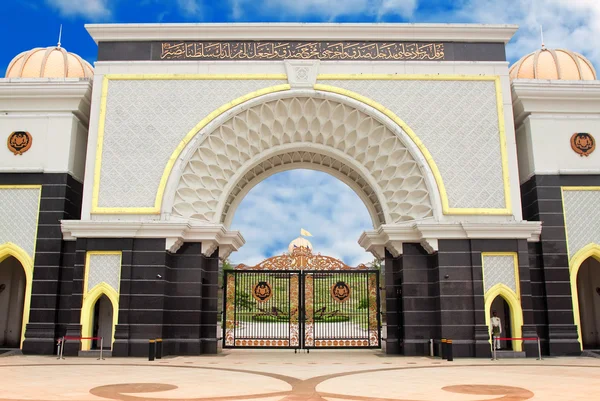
283 375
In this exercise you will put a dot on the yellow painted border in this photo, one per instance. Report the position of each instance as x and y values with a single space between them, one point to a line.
591 249
446 209
171 162
9 249
513 299
27 261
90 296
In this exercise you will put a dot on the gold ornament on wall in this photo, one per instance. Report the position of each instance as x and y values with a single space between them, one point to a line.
19 142
583 143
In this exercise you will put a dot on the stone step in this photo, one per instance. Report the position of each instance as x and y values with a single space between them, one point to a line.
95 353
509 354
592 353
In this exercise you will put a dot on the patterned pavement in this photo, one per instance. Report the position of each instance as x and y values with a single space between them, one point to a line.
283 375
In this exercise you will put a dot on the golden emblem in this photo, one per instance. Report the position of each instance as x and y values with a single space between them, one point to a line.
583 143
19 142
262 291
340 291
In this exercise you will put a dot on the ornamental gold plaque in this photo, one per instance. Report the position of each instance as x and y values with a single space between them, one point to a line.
262 291
19 142
583 143
340 291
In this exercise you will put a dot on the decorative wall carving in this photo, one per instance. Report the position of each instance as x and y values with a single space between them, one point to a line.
104 268
270 50
302 121
582 218
19 209
145 121
499 269
321 162
458 123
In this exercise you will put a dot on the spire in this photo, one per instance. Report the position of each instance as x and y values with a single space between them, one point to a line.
542 34
59 35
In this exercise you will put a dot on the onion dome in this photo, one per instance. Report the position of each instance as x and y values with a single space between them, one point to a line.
50 62
300 242
553 64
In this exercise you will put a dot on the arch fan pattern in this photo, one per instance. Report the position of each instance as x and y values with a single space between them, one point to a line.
302 120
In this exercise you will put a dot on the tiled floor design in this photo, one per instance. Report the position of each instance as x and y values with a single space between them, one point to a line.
283 375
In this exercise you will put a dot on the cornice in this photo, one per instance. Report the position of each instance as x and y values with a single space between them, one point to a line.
531 96
175 233
303 31
392 237
46 95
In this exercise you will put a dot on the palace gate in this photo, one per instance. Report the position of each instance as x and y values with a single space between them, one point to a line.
301 300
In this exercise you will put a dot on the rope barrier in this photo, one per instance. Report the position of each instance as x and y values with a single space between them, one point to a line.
61 344
494 339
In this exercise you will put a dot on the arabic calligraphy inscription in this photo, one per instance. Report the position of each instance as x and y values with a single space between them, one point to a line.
263 50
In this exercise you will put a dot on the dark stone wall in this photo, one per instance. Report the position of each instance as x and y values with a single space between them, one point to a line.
161 295
441 296
552 306
61 199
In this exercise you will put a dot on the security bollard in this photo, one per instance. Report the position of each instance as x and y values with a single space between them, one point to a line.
449 351
443 348
158 348
151 350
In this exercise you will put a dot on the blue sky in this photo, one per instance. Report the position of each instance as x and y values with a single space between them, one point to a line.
274 211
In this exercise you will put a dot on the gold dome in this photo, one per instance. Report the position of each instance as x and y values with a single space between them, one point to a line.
50 62
299 242
553 64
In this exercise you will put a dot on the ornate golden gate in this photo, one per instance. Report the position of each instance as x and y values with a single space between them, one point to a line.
301 300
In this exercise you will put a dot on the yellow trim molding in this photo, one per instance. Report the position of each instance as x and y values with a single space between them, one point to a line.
7 250
590 250
513 299
580 256
163 182
91 296
446 209
562 198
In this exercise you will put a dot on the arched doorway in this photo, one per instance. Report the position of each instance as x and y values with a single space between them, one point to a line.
588 289
12 300
502 309
102 323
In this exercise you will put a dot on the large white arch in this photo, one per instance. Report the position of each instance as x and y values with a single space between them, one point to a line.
378 160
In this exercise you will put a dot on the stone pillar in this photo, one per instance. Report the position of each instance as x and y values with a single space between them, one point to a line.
60 200
394 340
542 200
456 297
210 291
419 299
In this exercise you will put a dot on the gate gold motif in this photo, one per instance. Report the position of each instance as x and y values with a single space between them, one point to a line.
302 300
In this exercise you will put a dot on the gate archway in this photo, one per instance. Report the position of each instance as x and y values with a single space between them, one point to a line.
302 300
328 132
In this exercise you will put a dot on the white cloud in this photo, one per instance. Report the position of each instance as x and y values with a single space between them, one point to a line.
190 7
93 9
325 9
272 213
570 24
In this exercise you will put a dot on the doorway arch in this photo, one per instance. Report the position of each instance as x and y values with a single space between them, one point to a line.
586 261
332 132
15 258
515 311
93 301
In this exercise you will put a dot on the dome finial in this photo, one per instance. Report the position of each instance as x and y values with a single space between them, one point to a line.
542 34
59 35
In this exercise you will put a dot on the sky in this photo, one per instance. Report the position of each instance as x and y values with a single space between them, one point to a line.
272 214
